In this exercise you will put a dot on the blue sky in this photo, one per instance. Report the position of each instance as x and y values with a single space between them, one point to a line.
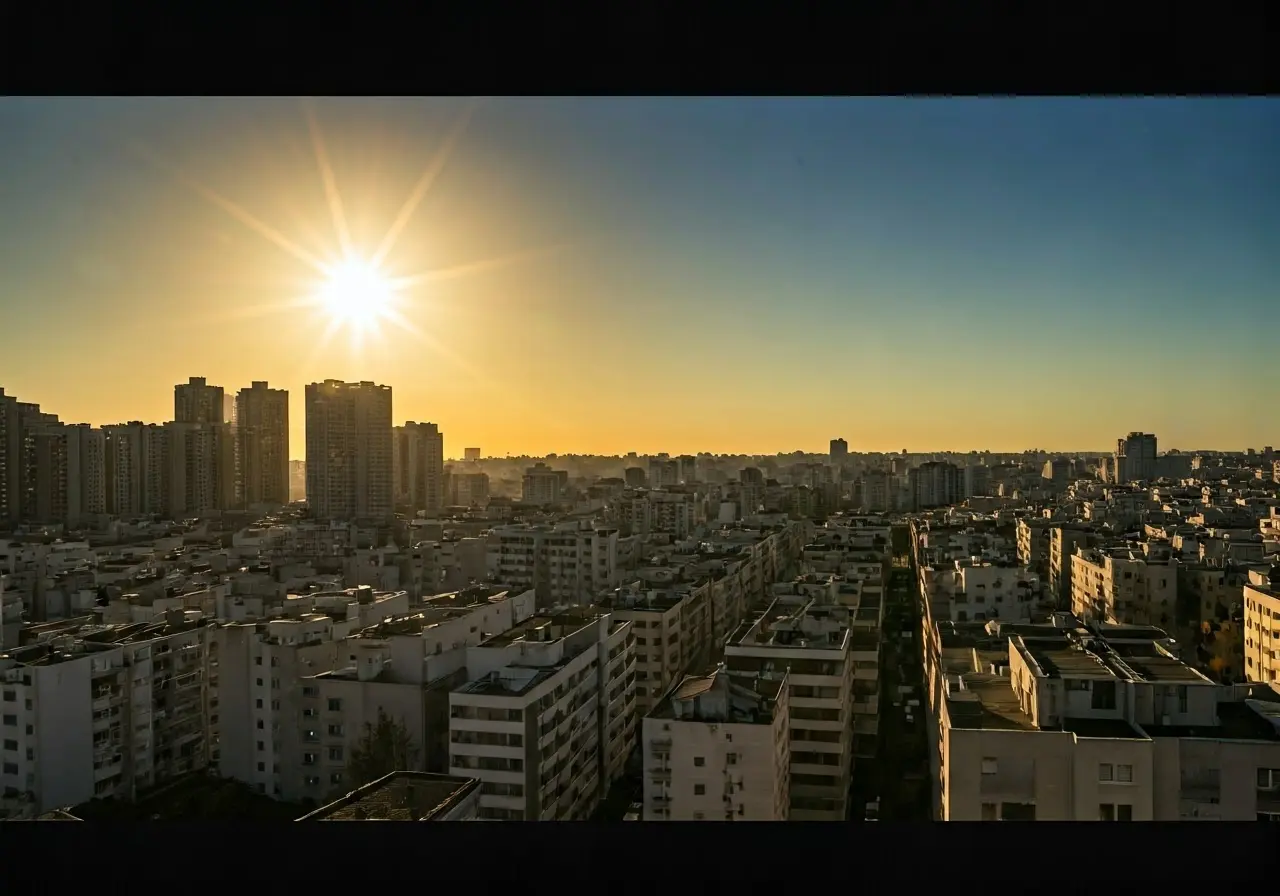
743 274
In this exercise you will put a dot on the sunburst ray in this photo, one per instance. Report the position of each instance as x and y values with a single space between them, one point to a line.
478 267
419 191
326 175
231 208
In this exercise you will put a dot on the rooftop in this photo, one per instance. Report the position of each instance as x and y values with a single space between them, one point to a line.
722 696
399 796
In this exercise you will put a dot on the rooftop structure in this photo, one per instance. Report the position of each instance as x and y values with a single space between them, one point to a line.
406 796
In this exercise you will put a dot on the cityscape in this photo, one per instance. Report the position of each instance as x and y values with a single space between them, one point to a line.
342 576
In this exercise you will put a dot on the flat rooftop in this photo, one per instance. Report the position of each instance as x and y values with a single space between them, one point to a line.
721 696
399 796
785 624
545 628
987 702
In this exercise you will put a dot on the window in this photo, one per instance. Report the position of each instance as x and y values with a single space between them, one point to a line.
335 778
311 691
1182 698
262 766
313 780
990 812
1124 812
1269 779
1107 812
11 746
335 731
308 758
1106 772
731 759
335 705
990 766
261 746
10 768
257 661
10 696
261 724
1104 695
257 704
10 721
335 754
699 789
1124 774
259 682
699 761
1017 811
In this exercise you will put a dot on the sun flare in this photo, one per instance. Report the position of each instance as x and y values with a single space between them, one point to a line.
356 293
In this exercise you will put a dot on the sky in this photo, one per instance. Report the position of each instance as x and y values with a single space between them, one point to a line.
603 275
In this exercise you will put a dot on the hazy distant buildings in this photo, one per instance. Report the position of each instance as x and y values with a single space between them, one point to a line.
201 468
839 450
634 477
470 454
418 466
349 451
935 484
542 485
1135 457
197 402
262 436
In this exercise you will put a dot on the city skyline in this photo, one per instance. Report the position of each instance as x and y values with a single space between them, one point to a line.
775 271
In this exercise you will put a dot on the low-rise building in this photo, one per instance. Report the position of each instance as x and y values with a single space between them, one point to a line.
406 796
717 747
1066 723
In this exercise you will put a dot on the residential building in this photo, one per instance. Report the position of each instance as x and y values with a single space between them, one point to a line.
542 486
349 451
262 435
564 563
1063 541
99 711
1061 722
549 712
418 464
1123 585
406 796
137 469
935 484
1135 458
839 451
195 401
809 643
201 468
1262 626
717 747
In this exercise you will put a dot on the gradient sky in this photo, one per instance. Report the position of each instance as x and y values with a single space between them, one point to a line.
730 275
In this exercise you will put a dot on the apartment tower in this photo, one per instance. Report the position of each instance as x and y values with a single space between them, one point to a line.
349 451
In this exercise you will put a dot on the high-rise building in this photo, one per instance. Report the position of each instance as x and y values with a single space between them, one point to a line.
1135 457
201 467
839 450
418 466
262 438
349 451
195 401
471 454
136 469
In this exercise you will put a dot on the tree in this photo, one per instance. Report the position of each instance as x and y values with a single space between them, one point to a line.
385 747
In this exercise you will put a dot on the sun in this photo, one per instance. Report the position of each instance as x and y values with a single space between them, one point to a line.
356 293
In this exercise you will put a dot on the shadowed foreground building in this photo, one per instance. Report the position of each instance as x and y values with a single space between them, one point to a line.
349 451
406 796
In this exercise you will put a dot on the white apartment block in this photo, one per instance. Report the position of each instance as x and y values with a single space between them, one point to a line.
1065 723
809 643
642 512
658 626
299 692
105 711
717 747
349 451
565 563
1262 627
979 590
548 716
1121 585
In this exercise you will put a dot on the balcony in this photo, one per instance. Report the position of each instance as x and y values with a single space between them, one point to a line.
660 743
660 773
